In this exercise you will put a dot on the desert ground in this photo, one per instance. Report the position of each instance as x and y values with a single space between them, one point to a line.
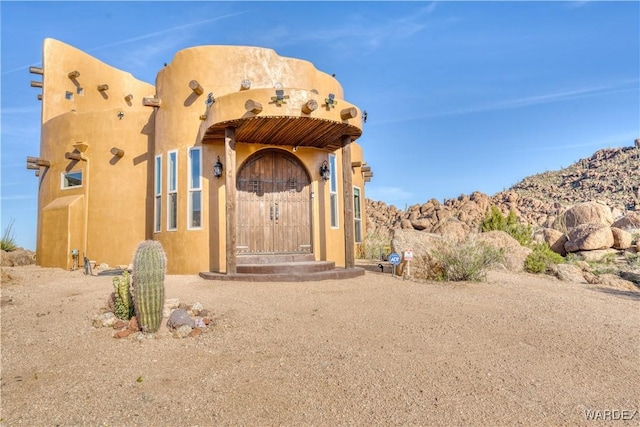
519 349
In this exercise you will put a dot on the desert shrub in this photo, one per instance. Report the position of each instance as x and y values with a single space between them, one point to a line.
495 220
8 241
459 260
633 260
374 246
541 258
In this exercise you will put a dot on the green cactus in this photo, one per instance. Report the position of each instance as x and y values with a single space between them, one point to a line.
149 265
123 303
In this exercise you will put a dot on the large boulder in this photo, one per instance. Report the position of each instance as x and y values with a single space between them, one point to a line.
587 213
554 238
514 253
587 237
631 221
621 239
419 242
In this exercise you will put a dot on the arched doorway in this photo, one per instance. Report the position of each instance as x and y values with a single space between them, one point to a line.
274 204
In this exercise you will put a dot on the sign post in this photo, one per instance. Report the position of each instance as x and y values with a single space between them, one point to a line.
394 259
408 257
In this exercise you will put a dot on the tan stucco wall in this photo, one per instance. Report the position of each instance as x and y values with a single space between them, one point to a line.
115 189
115 205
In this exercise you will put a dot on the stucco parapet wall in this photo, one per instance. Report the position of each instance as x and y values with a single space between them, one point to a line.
282 123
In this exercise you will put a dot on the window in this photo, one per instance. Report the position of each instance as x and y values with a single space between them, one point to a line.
194 208
68 95
357 215
157 215
72 179
333 190
172 191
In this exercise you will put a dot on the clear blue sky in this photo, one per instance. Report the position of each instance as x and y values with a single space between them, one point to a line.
461 96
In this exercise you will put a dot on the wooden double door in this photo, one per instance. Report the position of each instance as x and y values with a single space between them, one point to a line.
274 204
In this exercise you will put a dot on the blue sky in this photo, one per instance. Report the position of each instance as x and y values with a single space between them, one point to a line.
460 96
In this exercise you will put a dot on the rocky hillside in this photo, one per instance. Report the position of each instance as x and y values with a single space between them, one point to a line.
611 176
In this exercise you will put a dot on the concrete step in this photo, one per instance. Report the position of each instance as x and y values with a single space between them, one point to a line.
287 267
335 274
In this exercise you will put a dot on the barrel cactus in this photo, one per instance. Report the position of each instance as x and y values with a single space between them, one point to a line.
123 302
149 266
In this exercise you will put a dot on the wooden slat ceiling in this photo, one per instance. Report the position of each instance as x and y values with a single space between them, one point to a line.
292 131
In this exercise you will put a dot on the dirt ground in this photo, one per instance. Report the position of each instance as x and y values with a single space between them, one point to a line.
375 350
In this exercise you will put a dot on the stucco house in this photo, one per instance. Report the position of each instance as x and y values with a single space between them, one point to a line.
237 157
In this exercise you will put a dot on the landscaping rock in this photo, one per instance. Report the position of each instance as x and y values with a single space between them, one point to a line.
587 213
179 317
514 253
182 332
105 320
554 238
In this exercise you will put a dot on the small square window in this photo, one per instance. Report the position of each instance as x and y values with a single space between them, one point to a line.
80 91
72 179
68 95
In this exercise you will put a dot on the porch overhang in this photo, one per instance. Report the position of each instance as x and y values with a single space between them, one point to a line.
285 123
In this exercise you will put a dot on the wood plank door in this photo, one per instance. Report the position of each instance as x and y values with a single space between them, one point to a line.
274 204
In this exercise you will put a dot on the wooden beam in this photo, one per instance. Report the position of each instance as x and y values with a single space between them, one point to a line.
347 189
36 84
36 70
366 169
33 166
32 159
230 196
310 106
356 164
37 173
253 106
43 163
150 101
73 75
39 97
348 113
196 87
102 88
117 152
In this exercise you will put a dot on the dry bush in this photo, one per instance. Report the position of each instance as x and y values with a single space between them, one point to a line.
457 260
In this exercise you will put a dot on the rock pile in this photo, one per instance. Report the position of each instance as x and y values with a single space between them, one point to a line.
611 176
183 321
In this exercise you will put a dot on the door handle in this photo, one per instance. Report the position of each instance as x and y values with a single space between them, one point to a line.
271 213
277 212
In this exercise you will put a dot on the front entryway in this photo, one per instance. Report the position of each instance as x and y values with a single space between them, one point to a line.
274 204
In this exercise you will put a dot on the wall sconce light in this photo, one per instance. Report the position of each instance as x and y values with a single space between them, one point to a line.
120 114
325 172
330 101
217 169
245 84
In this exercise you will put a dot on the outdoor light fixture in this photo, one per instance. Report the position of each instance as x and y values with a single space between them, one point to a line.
246 84
217 169
325 172
330 101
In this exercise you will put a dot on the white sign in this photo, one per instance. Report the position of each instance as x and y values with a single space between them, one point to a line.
408 255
